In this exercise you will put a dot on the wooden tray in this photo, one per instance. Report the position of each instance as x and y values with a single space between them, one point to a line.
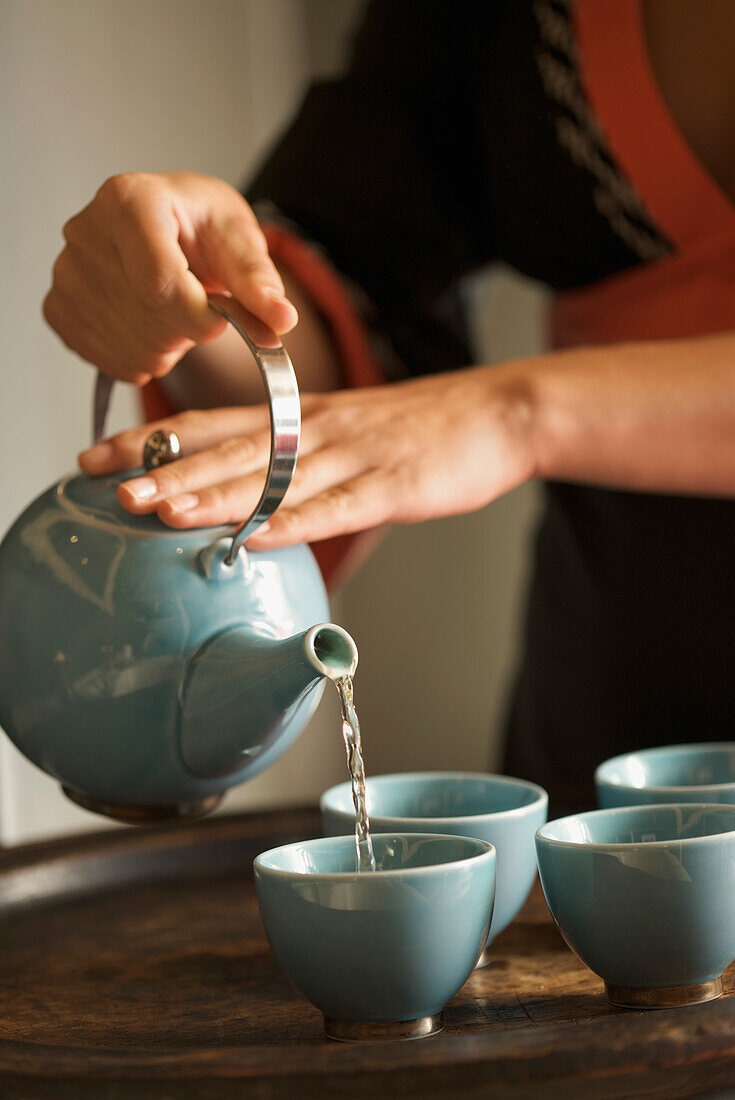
133 964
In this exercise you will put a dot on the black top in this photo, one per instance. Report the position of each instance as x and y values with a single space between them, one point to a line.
461 136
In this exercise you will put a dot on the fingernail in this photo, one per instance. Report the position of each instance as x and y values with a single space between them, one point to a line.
141 488
183 503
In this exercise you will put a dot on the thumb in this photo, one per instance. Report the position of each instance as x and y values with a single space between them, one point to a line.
236 253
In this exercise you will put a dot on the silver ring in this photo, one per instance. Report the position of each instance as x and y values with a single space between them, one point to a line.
282 393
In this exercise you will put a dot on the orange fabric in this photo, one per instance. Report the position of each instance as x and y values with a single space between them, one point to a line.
691 292
339 556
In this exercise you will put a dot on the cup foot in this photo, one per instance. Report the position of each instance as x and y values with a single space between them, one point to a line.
356 1031
668 997
138 814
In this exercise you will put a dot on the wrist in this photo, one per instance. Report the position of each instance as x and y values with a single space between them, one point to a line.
549 393
515 413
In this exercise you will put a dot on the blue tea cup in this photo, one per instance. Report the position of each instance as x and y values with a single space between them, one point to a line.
496 808
378 952
675 773
645 897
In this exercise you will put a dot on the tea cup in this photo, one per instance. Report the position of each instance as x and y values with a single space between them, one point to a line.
496 808
674 773
645 897
379 953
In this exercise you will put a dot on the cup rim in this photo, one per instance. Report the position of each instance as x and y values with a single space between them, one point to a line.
629 845
485 851
600 778
541 798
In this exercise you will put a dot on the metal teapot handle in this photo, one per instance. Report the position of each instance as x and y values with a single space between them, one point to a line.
282 393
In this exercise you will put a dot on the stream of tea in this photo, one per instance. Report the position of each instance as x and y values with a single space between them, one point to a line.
353 747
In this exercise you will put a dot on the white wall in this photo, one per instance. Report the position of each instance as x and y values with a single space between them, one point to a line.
93 87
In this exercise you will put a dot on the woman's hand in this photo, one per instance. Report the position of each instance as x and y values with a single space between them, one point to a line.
402 453
129 291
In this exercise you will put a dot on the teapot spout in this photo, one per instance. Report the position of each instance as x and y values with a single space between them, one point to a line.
245 697
331 651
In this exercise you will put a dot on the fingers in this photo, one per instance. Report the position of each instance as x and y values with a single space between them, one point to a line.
145 232
225 246
197 430
225 502
80 338
175 484
231 500
358 466
81 305
354 505
124 277
335 488
129 290
236 248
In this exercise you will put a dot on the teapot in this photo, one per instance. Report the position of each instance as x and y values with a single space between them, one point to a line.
150 669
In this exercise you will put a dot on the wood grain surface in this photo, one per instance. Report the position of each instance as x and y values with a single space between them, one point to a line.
133 964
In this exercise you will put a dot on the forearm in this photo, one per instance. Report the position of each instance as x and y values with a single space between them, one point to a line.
656 416
223 373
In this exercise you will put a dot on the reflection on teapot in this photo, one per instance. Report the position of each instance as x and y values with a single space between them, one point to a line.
150 669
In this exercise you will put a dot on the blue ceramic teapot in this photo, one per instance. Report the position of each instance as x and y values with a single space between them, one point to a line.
150 669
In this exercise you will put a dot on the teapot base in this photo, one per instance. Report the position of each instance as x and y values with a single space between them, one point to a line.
141 814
